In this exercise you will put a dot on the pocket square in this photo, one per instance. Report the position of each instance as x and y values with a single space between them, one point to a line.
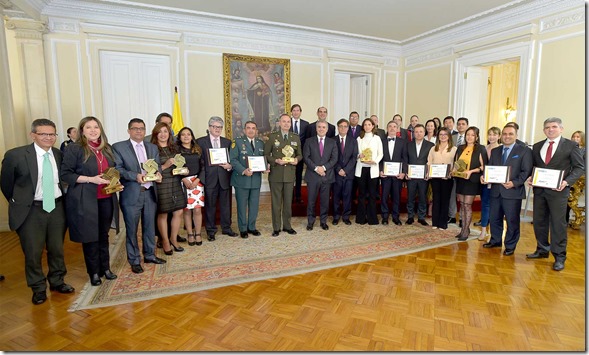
515 156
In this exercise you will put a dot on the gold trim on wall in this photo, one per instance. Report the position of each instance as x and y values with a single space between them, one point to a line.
256 89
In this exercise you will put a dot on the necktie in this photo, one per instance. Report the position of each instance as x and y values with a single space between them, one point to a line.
216 143
459 142
142 159
321 146
504 157
549 153
296 130
354 131
391 139
342 145
47 183
253 147
285 137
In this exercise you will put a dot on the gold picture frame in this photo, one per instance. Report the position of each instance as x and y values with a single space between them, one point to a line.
256 89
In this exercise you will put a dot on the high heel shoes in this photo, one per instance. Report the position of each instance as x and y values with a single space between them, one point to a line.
191 236
176 249
196 241
169 252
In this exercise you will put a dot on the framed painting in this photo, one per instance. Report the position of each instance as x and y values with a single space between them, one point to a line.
255 89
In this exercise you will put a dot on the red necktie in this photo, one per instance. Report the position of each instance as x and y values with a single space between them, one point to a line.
548 153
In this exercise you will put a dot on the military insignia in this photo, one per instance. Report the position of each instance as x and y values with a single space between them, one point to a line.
243 146
276 143
233 144
293 143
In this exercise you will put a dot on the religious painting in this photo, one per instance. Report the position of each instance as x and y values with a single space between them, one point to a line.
256 89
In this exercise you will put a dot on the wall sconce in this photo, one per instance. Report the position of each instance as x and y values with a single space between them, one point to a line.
509 111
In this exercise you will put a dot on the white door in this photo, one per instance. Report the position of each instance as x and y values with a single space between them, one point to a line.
359 95
475 99
351 93
133 85
341 98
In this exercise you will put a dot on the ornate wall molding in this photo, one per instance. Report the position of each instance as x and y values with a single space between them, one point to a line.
426 57
563 20
26 28
62 25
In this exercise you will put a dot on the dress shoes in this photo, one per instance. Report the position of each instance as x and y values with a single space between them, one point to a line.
211 237
63 288
462 239
95 280
335 222
230 233
537 255
309 227
275 233
478 224
290 231
361 223
137 269
109 275
176 249
508 252
155 260
254 232
181 239
397 221
347 222
492 245
324 226
39 297
410 221
422 222
385 222
243 235
558 265
452 220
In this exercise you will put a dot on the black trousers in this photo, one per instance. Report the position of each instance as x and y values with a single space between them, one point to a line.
391 186
298 180
441 193
550 220
366 195
96 253
212 196
510 209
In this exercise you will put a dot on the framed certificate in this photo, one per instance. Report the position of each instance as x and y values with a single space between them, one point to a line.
256 163
439 171
547 178
218 156
392 168
416 171
497 174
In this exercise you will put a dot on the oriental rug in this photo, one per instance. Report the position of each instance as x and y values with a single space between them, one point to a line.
230 261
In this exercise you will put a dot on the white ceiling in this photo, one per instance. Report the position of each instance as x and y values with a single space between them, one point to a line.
395 20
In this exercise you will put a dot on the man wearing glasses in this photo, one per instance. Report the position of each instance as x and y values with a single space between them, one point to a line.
217 180
30 183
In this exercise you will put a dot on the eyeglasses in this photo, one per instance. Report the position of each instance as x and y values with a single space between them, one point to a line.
443 134
47 135
137 129
215 127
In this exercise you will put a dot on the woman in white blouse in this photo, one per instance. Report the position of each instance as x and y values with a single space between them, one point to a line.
430 131
367 173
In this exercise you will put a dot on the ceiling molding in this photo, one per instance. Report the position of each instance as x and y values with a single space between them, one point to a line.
564 20
426 57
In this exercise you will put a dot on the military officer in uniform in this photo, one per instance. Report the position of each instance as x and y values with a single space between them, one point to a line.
245 181
283 152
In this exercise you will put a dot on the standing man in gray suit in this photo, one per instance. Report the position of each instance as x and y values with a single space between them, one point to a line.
320 155
139 198
30 183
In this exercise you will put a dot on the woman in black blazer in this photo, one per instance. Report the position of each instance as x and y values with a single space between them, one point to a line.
88 209
474 155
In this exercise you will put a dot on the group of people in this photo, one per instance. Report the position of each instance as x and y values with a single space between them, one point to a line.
354 163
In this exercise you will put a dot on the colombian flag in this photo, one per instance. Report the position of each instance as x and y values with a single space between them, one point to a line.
177 122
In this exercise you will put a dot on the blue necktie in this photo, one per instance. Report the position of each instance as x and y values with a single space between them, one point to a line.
504 157
296 130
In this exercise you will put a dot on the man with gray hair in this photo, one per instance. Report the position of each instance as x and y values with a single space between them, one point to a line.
217 180
557 153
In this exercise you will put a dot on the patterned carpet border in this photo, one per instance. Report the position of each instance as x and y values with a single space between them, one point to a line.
231 261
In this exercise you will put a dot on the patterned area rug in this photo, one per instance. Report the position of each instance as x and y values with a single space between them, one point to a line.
230 261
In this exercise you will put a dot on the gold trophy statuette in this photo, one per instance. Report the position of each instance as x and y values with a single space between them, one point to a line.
367 155
114 185
459 169
150 167
180 168
288 152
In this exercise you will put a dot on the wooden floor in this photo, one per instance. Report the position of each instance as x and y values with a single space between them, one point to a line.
460 297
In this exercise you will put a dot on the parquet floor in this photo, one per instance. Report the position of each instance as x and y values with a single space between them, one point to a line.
461 297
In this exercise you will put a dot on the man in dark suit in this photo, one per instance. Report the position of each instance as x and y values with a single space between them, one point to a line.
139 198
320 155
355 128
559 153
347 148
449 123
458 139
417 152
462 126
282 173
379 131
321 116
402 132
298 126
217 180
394 150
506 199
30 183
516 126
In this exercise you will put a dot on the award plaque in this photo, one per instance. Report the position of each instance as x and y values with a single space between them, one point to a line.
439 171
288 152
496 174
416 171
391 168
256 163
179 163
150 167
367 155
218 156
459 169
114 185
547 178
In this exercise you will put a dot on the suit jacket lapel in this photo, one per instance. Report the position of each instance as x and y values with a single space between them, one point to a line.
32 162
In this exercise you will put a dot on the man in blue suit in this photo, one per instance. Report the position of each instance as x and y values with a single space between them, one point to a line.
139 198
246 182
506 199
320 155
394 150
347 148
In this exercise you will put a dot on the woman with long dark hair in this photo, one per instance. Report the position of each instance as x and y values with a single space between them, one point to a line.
442 153
367 173
493 135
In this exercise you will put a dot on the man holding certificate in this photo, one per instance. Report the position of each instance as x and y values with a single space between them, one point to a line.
551 191
248 162
393 167
509 167
417 153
